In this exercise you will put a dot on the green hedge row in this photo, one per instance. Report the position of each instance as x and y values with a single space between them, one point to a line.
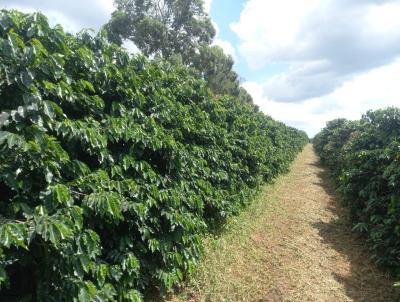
112 166
364 158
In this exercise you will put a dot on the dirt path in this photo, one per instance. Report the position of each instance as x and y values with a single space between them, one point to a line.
294 244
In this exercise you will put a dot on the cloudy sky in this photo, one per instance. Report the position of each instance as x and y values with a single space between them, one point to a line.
304 62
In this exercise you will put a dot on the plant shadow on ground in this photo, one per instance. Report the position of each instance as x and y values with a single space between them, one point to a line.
363 280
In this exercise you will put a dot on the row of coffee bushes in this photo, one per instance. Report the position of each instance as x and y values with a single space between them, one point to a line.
112 166
364 158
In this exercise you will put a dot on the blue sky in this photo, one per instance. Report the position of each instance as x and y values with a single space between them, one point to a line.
223 17
318 60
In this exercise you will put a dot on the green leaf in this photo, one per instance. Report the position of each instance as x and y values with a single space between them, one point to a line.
48 109
90 243
51 228
87 85
58 194
130 263
13 140
62 194
76 213
13 234
54 234
106 204
133 296
84 295
101 273
26 78
15 42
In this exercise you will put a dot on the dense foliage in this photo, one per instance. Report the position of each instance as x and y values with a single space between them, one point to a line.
179 31
364 157
111 166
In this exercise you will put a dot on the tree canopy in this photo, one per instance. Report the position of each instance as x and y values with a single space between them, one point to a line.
162 27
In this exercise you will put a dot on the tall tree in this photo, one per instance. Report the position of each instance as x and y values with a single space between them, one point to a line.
162 27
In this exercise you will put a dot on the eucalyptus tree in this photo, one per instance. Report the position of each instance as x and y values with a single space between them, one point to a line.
162 27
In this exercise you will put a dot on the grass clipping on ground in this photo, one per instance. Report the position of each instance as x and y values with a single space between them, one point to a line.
293 243
233 267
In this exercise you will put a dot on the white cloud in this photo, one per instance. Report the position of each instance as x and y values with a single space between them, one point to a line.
377 88
269 28
207 6
325 42
384 19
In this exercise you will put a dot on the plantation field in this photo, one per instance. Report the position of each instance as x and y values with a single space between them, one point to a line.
132 178
113 167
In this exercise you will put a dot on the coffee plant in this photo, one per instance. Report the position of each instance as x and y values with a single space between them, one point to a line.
112 167
364 158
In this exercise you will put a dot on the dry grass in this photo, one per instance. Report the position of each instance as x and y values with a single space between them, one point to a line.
293 244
